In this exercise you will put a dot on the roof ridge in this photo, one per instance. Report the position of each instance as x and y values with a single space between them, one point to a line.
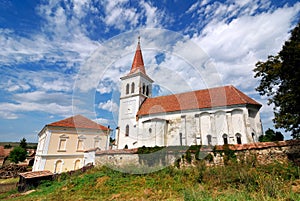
191 91
78 121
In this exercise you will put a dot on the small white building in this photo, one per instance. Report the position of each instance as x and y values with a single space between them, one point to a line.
62 144
215 116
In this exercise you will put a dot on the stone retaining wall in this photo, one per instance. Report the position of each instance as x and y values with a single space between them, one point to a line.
262 152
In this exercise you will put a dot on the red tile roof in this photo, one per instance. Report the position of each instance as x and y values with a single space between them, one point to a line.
78 121
4 152
34 174
138 63
207 98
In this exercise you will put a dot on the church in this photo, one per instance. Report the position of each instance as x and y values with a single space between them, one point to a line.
214 116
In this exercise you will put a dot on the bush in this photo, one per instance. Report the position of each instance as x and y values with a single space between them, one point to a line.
18 154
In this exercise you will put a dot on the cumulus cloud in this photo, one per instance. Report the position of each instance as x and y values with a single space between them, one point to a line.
109 106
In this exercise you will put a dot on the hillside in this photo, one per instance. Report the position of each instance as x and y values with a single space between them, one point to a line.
231 182
14 144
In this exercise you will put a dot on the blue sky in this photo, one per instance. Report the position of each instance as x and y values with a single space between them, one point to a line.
59 58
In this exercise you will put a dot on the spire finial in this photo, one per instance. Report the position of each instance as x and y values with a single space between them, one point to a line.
139 39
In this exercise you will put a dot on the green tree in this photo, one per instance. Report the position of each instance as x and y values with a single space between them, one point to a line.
7 146
280 81
18 154
23 143
271 136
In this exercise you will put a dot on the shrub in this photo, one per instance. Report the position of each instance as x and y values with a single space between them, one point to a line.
18 154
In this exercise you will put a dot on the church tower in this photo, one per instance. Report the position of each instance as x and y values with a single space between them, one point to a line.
135 88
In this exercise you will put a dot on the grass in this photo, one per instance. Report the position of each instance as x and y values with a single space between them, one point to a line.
231 182
9 181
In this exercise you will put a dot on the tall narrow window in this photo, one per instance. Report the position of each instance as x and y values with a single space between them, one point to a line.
132 87
147 90
180 138
225 139
80 145
127 130
127 88
62 142
238 138
209 139
143 90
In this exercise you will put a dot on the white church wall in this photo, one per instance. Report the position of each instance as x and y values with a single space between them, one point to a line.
221 126
190 124
205 126
238 125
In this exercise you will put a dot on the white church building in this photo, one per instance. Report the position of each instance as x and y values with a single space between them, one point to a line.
214 116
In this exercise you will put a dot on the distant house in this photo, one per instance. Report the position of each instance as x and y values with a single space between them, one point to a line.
4 153
62 144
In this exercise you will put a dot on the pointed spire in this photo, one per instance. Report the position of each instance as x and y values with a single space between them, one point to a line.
138 63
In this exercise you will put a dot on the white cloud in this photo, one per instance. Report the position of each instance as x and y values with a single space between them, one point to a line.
102 121
52 108
109 106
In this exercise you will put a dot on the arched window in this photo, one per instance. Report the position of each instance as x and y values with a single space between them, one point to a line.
143 90
238 138
77 164
132 87
225 139
58 166
147 90
127 130
127 88
209 139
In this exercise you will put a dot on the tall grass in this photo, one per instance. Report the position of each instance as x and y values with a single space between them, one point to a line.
234 181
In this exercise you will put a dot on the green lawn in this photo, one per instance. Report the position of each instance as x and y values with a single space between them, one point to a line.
231 182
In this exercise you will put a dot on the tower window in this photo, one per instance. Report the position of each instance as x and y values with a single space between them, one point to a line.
127 130
127 88
147 90
132 87
144 88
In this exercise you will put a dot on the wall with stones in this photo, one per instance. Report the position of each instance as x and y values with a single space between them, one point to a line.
262 152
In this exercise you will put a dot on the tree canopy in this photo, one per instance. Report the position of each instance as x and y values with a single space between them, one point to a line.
18 154
280 81
271 136
23 143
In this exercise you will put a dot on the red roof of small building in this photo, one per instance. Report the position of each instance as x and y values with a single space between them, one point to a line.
34 174
138 63
4 152
78 121
207 98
